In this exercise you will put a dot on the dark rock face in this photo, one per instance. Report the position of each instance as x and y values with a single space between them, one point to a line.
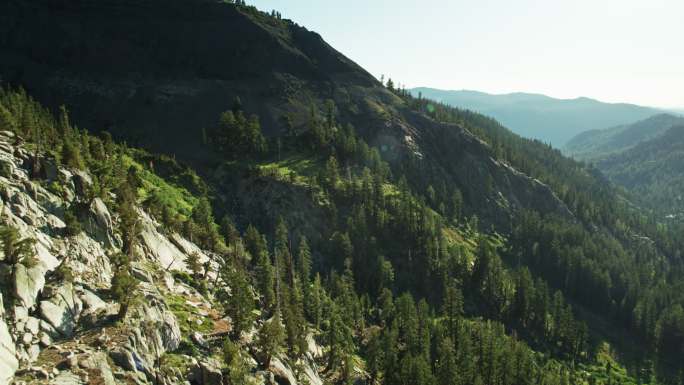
153 69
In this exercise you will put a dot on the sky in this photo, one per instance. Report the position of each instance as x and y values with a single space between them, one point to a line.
612 50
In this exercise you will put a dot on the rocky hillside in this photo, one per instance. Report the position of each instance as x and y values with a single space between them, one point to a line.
60 323
595 145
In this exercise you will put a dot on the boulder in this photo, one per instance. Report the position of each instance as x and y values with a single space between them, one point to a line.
33 325
62 309
91 302
141 274
6 168
199 340
20 314
8 360
35 372
45 339
49 168
125 359
208 372
98 368
28 283
102 226
67 378
82 182
48 329
7 136
33 352
170 332
282 372
27 338
88 261
68 363
158 247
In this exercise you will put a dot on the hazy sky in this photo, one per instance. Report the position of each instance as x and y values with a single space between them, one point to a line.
612 50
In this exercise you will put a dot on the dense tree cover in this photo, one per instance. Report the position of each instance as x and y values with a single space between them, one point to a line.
613 259
386 240
652 172
236 134
401 279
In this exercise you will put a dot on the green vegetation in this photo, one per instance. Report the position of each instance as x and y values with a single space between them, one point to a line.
651 172
397 264
189 319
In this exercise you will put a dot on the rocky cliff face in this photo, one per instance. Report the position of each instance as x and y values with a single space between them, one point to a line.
59 327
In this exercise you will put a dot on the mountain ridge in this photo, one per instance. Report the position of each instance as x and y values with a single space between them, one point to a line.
600 143
539 116
652 170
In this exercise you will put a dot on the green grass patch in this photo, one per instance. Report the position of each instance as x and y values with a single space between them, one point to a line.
171 361
189 319
177 198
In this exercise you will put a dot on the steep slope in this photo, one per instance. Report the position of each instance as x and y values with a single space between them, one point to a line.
597 144
112 288
165 91
170 67
653 171
87 304
541 117
410 208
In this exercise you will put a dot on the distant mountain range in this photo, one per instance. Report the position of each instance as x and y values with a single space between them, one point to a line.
542 117
646 158
598 144
652 170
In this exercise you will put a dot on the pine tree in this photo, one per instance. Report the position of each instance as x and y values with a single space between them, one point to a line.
192 261
314 306
123 289
452 309
71 155
237 366
73 226
254 243
447 369
338 337
129 225
7 121
230 233
332 173
284 261
270 339
239 301
266 280
304 261
390 84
